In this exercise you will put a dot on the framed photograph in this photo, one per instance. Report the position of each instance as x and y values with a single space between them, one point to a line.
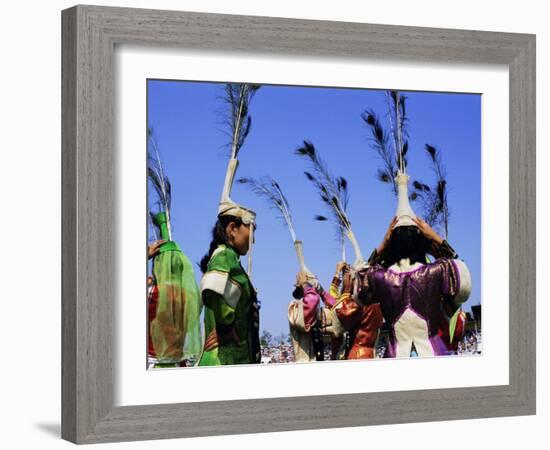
400 162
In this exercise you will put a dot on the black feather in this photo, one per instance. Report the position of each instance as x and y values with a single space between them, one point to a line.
435 201
441 184
333 191
306 150
383 176
247 127
270 190
236 117
379 142
342 183
431 150
157 177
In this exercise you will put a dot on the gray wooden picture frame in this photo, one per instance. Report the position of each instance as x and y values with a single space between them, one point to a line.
90 34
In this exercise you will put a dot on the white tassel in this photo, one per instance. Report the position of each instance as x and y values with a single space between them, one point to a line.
250 246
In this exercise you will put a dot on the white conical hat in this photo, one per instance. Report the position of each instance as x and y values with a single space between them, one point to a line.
298 246
404 213
227 206
359 262
311 278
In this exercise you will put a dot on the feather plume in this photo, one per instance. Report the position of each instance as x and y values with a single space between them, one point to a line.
158 178
333 191
434 199
398 122
342 186
392 146
431 151
268 189
237 117
379 141
383 176
419 186
405 150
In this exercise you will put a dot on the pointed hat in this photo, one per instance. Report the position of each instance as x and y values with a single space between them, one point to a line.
227 206
404 213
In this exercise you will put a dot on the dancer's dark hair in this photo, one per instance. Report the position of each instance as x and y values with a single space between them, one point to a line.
408 242
298 292
218 237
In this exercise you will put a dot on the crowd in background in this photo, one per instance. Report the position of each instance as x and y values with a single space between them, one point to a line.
277 353
283 352
470 344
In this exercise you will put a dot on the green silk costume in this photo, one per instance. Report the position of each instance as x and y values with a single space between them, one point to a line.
231 312
175 330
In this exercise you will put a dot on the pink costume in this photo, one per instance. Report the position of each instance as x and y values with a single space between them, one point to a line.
304 317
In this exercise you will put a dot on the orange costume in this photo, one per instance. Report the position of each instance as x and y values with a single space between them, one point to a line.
362 321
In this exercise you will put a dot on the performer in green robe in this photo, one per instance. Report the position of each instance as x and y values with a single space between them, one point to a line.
175 328
175 303
231 310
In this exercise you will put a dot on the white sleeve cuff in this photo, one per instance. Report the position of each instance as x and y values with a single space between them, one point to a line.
220 283
465 282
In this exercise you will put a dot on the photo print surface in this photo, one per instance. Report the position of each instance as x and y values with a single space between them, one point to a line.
291 224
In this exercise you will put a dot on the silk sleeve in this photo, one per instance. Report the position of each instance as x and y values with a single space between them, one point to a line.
348 312
334 289
329 299
456 281
219 292
364 285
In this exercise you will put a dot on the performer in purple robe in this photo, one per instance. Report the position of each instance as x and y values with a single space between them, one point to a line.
412 292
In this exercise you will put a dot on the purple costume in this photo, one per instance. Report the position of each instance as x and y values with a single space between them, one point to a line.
411 301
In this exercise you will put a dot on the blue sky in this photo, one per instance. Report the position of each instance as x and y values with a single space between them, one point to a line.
187 125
